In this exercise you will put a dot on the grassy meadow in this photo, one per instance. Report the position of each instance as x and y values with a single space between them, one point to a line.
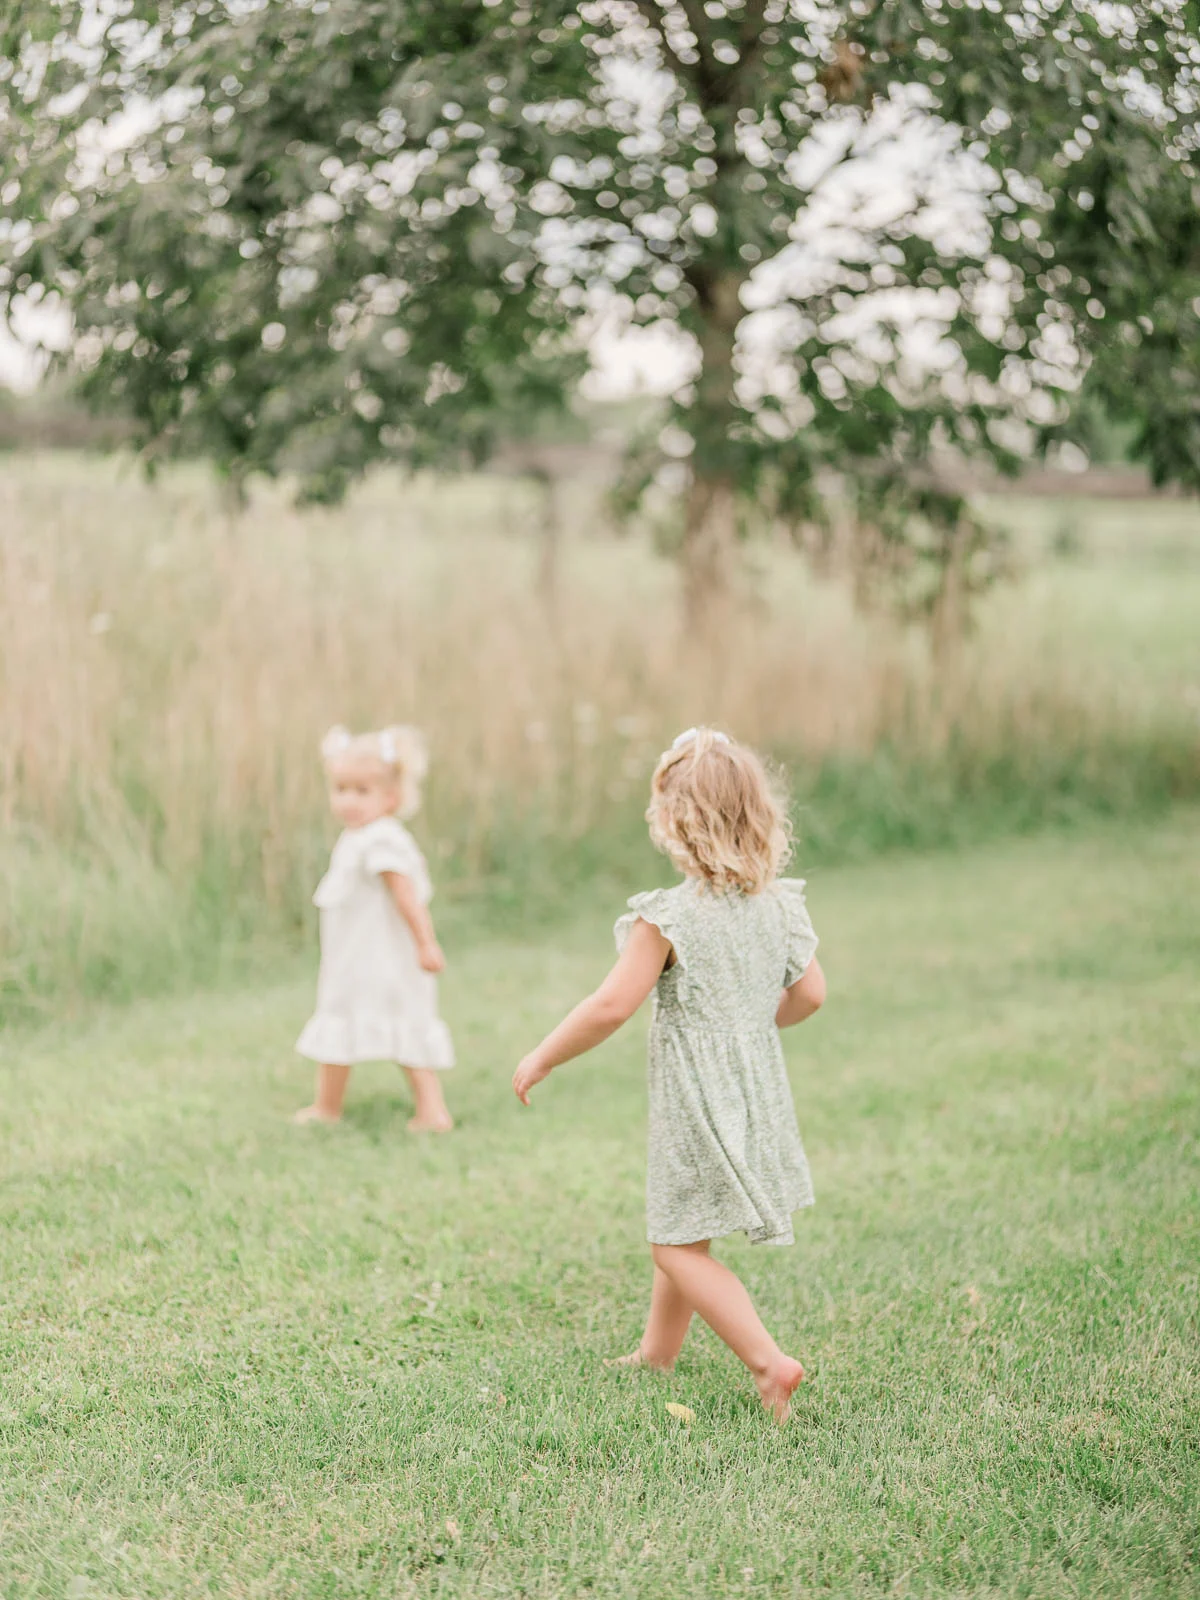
248 1360
252 1361
166 672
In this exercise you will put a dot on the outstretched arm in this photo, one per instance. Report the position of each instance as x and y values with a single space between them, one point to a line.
408 903
602 1013
802 998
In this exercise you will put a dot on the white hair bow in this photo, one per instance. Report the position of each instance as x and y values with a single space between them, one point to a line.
387 747
689 734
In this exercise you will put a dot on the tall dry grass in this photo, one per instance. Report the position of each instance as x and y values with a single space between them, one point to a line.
166 673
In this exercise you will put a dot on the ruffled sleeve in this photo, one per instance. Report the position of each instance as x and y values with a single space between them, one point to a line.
390 847
801 939
654 906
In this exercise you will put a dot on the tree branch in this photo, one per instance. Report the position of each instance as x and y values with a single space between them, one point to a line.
694 12
702 75
754 19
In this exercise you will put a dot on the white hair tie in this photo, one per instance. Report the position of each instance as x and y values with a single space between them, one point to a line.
691 734
387 747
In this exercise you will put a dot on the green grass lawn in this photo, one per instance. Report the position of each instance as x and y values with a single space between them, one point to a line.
242 1359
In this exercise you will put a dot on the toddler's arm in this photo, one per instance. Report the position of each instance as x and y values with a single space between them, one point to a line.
805 996
602 1013
408 904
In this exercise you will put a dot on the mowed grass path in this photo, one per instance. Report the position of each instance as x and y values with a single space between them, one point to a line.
242 1359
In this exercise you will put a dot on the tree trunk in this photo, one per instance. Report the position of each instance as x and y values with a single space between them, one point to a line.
948 614
709 552
235 496
709 548
550 546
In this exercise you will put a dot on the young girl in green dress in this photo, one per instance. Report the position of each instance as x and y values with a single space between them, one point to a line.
730 954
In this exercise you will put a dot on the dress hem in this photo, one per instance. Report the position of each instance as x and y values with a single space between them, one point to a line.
347 1042
721 1232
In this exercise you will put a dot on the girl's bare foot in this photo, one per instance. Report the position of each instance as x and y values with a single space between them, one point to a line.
635 1358
777 1385
314 1114
429 1105
431 1122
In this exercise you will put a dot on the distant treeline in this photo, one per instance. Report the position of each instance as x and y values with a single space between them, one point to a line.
51 417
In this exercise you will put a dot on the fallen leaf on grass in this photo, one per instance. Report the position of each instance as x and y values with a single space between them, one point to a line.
684 1413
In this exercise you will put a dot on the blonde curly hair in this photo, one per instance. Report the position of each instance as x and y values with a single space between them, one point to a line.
718 813
398 755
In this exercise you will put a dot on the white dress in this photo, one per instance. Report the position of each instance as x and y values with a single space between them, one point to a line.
373 1001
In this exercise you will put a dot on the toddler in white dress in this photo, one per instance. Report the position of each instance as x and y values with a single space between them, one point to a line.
377 986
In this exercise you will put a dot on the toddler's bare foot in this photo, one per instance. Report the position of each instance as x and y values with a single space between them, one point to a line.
314 1114
635 1358
431 1122
777 1386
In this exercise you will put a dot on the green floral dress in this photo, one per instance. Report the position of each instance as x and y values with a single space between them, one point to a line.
724 1151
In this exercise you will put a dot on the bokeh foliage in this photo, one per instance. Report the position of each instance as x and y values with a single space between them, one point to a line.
304 236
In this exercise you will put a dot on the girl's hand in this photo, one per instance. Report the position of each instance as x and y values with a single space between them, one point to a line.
530 1073
601 1014
410 906
431 958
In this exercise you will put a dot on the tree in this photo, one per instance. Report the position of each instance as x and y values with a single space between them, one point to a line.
344 229
234 283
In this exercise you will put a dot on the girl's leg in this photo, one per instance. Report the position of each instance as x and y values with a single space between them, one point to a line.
721 1299
329 1096
431 1114
666 1328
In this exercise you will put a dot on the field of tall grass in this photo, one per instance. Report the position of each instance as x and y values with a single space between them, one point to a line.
166 671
